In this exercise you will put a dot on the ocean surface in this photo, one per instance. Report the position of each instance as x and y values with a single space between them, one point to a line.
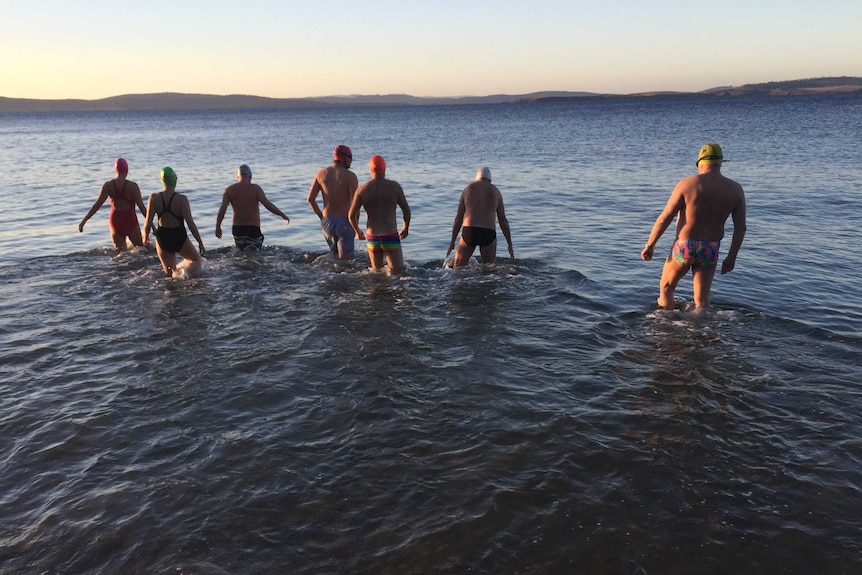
283 413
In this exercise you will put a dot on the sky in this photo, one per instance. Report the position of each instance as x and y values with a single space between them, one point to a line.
58 49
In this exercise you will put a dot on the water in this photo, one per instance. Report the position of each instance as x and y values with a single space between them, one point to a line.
284 414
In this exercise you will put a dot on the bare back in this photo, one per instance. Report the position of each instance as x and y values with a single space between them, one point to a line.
245 199
337 184
380 197
481 199
704 202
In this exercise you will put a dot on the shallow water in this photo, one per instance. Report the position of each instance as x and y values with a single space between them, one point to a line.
284 413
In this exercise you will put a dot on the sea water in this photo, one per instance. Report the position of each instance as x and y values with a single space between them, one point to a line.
286 413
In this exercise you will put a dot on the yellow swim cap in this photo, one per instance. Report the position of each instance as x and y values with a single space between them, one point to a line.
710 154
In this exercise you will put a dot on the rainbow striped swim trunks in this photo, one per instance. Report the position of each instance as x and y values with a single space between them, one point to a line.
383 243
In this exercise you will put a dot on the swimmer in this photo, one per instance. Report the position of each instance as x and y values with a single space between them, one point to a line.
174 212
380 197
245 198
337 184
479 210
125 195
701 204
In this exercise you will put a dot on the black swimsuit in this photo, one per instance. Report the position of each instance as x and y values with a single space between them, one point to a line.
481 237
171 239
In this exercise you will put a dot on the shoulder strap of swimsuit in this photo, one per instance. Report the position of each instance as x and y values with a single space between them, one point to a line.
168 207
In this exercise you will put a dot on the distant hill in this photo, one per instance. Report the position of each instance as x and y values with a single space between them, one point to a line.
176 101
841 84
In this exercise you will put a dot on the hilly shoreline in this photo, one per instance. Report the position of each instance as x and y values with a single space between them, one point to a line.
178 101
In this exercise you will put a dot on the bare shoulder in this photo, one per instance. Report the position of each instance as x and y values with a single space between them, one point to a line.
690 181
363 188
734 184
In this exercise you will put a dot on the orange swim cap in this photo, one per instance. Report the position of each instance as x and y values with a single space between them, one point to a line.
377 165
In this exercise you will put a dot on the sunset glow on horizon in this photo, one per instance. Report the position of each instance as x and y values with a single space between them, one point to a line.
57 50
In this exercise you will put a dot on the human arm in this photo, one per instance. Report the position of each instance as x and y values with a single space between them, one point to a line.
405 213
225 200
504 227
353 214
187 215
103 195
456 226
674 204
313 191
261 197
148 221
138 199
738 216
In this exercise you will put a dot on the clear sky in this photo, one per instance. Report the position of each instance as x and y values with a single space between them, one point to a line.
284 48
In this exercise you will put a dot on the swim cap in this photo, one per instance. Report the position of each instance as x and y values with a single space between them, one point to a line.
341 151
169 176
710 154
122 166
244 170
377 165
483 174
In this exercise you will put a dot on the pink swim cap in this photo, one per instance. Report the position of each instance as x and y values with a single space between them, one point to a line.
341 151
122 166
377 165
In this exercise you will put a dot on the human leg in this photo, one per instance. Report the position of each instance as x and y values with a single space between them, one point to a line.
701 277
395 259
345 247
119 240
463 253
167 259
135 236
328 231
489 252
377 258
672 272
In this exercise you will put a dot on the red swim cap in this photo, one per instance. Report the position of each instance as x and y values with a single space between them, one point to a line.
341 151
377 165
121 166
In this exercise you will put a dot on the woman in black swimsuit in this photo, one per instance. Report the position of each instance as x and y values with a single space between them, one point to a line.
174 211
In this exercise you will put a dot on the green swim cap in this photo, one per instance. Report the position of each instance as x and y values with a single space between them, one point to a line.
169 176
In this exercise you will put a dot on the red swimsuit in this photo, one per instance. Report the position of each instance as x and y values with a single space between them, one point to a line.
122 222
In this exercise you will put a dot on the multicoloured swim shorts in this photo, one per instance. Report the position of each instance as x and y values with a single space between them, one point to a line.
695 252
383 243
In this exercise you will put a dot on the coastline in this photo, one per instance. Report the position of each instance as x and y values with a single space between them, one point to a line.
179 101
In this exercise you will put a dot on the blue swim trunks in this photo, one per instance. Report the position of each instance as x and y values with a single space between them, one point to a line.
338 233
695 252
